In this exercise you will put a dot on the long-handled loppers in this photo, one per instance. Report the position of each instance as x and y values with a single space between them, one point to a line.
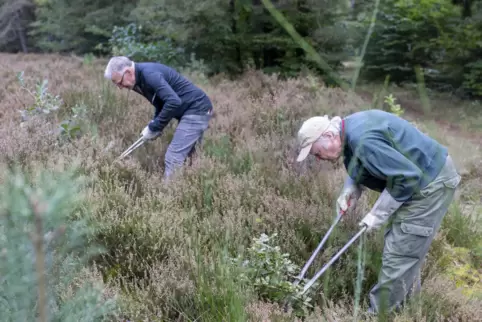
327 265
333 259
129 150
136 145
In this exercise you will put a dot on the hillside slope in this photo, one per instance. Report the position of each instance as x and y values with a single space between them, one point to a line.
168 247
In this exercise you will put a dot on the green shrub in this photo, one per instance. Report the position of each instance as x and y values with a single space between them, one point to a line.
130 41
44 101
271 273
43 238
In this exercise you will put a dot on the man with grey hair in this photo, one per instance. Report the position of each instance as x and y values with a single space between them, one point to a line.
173 96
416 180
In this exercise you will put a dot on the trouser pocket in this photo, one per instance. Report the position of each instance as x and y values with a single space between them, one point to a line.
452 182
410 240
447 178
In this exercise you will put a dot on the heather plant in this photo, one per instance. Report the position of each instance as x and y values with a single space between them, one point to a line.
219 296
168 246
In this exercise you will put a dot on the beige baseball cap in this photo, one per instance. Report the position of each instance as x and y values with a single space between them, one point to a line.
309 132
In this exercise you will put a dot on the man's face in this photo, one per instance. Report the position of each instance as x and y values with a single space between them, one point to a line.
127 79
327 148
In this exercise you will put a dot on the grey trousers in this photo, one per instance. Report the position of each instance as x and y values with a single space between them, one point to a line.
189 132
408 239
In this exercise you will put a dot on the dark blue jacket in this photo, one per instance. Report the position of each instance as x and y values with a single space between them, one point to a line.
382 151
171 94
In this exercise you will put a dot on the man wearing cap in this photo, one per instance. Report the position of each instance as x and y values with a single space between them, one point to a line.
416 179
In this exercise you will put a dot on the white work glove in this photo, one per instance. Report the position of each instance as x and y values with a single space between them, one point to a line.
384 207
348 196
147 134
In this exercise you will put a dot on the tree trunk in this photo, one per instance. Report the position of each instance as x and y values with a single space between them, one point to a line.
21 33
234 29
12 24
467 11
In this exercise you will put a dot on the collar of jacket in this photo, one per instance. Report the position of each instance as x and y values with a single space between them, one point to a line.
139 85
343 138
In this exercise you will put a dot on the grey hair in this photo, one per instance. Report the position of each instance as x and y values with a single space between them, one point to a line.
117 64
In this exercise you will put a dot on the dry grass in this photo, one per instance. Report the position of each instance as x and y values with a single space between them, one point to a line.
244 182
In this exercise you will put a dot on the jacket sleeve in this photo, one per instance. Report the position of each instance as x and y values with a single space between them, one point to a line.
383 208
168 96
385 162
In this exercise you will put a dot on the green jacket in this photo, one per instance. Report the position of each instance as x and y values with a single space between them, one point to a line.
384 151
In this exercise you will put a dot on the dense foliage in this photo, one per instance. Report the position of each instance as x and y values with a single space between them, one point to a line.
430 34
443 37
204 249
226 239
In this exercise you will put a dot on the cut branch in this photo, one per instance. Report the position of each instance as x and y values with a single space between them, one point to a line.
40 261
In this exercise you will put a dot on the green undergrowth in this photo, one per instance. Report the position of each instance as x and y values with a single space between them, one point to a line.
459 252
144 234
234 228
